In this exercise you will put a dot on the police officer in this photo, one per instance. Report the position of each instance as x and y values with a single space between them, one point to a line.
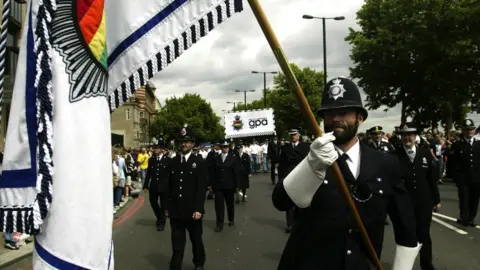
156 182
224 184
465 156
376 133
325 235
215 151
419 175
244 172
273 149
187 186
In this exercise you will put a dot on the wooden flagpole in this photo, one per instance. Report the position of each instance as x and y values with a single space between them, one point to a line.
312 122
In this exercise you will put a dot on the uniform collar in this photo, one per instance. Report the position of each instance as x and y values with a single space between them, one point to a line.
186 155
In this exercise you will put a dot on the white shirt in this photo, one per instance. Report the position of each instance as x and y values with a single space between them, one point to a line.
265 148
353 160
254 149
294 144
186 156
247 150
159 157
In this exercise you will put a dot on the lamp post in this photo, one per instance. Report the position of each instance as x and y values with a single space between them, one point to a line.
244 96
339 18
234 103
264 84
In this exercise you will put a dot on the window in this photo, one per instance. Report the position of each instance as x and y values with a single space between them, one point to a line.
127 114
11 60
142 114
16 12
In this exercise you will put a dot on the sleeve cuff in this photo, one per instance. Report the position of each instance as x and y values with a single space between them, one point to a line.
405 257
302 183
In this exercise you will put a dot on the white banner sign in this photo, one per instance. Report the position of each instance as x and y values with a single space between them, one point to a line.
249 123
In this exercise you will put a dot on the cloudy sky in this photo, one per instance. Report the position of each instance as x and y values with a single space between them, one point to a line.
222 61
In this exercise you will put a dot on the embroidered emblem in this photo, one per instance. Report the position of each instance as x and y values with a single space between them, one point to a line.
79 35
336 90
194 165
385 149
424 160
237 124
379 179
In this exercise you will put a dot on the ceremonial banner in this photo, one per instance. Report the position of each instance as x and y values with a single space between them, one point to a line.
249 123
57 167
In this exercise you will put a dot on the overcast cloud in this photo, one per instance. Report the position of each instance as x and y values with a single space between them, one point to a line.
222 61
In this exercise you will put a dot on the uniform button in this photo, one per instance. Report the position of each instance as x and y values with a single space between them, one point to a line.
350 231
325 181
181 187
180 195
349 252
181 172
380 191
379 179
414 174
181 180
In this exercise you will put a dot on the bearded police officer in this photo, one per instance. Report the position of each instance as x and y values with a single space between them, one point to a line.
187 186
376 133
225 184
419 176
156 182
324 235
465 156
283 166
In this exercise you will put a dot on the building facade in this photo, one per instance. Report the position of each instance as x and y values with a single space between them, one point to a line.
133 119
15 23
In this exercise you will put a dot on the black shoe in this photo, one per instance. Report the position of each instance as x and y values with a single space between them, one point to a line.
472 224
231 223
160 228
219 228
462 222
199 268
288 230
387 223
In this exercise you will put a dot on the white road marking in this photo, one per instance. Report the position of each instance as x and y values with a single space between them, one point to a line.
453 228
450 218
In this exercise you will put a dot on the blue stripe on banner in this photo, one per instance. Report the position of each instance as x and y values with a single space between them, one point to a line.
54 261
110 256
144 29
27 177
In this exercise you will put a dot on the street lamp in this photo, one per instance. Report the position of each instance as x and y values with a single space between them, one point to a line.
234 102
244 96
264 84
339 18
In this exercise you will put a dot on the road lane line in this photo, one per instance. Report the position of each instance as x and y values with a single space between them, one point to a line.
445 217
453 228
130 212
451 218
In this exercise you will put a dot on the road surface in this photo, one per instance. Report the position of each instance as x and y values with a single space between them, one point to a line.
258 239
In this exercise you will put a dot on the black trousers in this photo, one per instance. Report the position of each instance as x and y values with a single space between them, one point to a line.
290 216
179 239
423 218
469 197
272 171
158 201
222 197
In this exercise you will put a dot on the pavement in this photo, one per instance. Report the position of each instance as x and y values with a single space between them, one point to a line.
258 239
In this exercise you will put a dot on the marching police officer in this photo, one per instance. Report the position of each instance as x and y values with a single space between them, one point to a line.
187 186
244 172
465 157
156 182
283 166
420 180
225 184
324 235
376 133
273 149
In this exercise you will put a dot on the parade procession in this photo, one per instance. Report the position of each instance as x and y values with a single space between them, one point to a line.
128 127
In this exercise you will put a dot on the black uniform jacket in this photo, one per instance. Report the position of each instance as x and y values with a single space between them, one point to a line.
465 160
382 146
226 173
187 187
273 152
284 159
325 235
211 165
158 173
419 177
244 171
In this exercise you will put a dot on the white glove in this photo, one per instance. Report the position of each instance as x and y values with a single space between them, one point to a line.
322 152
405 257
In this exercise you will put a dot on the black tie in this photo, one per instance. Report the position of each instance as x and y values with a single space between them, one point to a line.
184 160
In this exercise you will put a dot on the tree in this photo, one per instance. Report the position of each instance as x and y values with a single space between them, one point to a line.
423 54
190 109
283 101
